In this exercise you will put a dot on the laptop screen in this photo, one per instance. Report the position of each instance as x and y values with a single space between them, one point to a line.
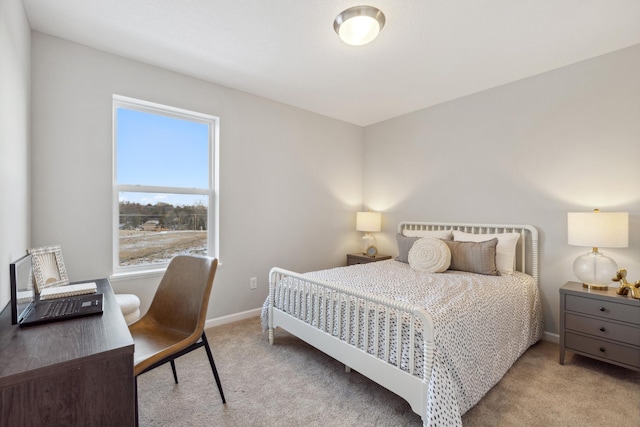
22 289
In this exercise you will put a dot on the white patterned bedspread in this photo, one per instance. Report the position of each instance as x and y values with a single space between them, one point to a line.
482 325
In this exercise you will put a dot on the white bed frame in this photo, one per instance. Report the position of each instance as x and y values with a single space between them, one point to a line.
336 344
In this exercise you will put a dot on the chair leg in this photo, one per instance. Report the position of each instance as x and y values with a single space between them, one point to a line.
135 382
173 368
213 366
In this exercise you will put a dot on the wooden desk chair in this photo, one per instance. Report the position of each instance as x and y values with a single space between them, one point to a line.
174 323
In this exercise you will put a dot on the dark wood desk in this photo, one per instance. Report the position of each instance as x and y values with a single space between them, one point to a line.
75 372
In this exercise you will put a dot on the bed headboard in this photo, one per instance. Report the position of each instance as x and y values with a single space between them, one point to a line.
526 250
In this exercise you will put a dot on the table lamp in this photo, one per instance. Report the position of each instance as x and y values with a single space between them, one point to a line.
369 222
597 229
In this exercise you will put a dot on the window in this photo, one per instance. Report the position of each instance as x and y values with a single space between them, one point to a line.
165 184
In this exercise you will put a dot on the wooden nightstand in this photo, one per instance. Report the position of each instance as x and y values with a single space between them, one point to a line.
600 324
363 259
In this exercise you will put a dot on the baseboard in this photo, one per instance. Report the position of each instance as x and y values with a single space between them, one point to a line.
551 337
210 323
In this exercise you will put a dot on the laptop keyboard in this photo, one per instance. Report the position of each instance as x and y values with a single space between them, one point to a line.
61 307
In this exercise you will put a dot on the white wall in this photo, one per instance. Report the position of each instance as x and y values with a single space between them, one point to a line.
15 86
290 180
527 152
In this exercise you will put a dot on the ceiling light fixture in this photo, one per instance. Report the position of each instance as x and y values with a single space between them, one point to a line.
359 25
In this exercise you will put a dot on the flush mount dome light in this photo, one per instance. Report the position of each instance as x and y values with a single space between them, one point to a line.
359 25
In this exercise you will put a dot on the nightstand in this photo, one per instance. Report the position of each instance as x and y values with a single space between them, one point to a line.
600 324
364 259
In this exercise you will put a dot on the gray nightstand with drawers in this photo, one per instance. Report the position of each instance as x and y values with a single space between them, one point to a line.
600 324
364 259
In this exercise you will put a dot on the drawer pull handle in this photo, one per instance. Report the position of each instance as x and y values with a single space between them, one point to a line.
602 349
602 309
602 329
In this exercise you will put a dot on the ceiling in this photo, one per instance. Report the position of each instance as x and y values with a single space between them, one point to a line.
429 52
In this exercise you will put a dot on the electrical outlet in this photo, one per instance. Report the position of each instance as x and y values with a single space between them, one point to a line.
253 283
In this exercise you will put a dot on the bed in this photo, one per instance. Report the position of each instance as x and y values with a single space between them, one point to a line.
438 340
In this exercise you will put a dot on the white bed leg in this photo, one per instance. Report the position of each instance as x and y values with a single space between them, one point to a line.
271 336
347 368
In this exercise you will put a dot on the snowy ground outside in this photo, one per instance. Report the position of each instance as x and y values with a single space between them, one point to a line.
153 247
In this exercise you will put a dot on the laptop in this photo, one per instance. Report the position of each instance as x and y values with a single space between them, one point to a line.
27 309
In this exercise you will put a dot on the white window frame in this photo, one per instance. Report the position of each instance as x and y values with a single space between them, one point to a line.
213 210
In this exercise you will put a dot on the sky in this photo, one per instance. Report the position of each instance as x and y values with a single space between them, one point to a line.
161 151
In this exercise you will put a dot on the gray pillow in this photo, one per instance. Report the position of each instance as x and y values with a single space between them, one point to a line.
474 257
404 246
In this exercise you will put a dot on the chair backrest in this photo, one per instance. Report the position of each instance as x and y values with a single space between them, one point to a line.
182 298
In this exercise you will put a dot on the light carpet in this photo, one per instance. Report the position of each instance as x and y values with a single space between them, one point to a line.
293 384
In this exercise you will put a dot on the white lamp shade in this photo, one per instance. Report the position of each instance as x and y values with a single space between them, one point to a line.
368 221
598 229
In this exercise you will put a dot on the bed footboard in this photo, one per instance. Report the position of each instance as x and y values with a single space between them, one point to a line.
390 342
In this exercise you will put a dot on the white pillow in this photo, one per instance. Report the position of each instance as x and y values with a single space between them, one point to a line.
438 234
430 254
505 250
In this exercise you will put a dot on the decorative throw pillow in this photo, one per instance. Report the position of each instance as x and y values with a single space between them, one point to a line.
474 257
438 234
404 245
429 254
505 251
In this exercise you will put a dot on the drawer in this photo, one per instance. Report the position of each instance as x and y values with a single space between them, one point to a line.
605 309
604 349
603 328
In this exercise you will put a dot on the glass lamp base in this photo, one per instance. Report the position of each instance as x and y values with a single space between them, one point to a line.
596 287
595 270
367 241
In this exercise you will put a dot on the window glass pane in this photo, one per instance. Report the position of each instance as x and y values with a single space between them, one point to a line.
155 227
151 145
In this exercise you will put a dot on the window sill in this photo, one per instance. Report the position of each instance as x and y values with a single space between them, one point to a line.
142 274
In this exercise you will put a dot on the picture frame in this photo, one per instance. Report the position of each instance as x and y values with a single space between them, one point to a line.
48 267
